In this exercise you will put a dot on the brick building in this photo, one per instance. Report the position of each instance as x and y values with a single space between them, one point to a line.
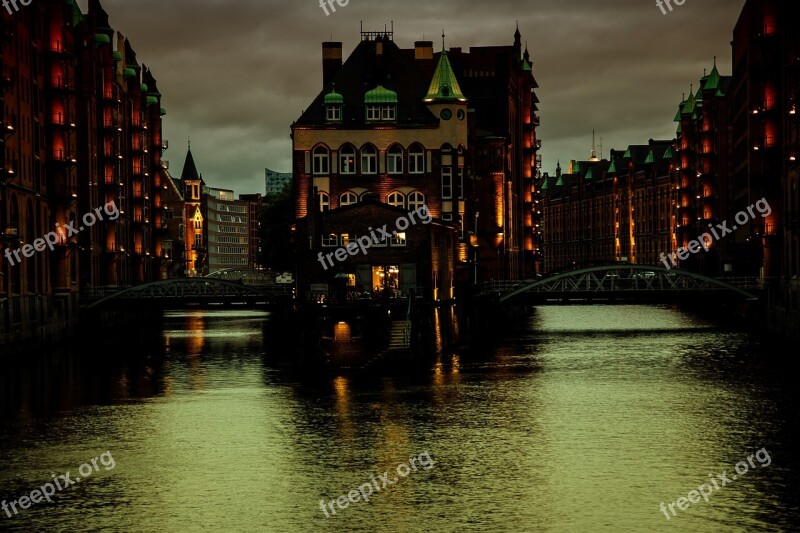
81 123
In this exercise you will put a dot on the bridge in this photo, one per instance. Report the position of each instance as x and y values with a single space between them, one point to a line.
208 292
621 282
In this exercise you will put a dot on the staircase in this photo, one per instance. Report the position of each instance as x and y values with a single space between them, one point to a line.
397 336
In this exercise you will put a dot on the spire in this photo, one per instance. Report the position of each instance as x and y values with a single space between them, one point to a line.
594 150
558 169
517 36
189 168
444 85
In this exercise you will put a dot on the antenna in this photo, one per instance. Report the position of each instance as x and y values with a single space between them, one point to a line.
601 147
442 39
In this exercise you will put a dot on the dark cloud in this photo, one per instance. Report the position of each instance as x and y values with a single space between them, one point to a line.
234 75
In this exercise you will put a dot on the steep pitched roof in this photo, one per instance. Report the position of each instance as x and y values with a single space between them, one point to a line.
189 168
444 86
363 71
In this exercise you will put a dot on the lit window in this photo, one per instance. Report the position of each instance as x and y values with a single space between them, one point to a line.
369 160
415 200
324 201
345 239
348 198
347 160
396 199
321 160
330 241
398 239
394 158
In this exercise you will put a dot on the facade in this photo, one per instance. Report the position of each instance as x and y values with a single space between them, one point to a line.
610 211
81 128
276 182
227 229
254 204
398 126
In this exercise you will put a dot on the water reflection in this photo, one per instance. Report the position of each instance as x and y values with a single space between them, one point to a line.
586 421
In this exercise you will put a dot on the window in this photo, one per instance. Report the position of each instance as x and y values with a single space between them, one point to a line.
330 241
398 239
324 202
396 199
346 239
334 113
415 200
198 240
347 160
321 160
460 184
394 159
369 160
447 182
348 198
388 112
416 160
373 112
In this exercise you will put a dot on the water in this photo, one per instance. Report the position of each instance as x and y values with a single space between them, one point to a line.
585 422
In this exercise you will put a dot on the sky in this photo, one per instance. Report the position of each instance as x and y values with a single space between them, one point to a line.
234 74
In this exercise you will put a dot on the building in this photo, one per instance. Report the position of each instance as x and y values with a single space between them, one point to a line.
610 211
195 254
398 126
81 129
276 182
227 229
254 204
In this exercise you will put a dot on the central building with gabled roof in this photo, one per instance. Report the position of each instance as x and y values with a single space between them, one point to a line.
395 126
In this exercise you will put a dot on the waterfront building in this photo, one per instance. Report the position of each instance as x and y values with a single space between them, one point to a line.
254 204
81 128
397 126
227 229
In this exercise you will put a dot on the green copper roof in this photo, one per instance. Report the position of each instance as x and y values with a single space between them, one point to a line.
560 182
444 85
380 95
117 55
152 100
101 38
668 154
677 117
694 116
545 186
613 168
163 111
650 157
129 73
627 153
333 97
527 67
589 174
678 131
576 167
143 86
689 108
712 83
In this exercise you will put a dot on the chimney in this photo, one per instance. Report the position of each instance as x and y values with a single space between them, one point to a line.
331 61
423 55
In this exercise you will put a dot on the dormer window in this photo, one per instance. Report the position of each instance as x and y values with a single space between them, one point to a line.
380 104
333 105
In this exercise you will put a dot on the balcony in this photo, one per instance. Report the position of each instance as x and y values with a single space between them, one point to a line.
7 124
63 156
62 119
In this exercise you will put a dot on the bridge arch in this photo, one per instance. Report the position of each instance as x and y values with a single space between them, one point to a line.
184 288
615 278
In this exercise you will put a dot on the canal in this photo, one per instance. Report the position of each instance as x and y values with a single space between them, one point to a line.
587 420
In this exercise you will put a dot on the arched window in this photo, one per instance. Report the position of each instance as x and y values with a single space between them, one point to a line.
396 199
321 160
324 201
446 148
369 160
394 159
415 200
348 198
347 159
416 159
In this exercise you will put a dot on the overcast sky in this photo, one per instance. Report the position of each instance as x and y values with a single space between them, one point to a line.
235 74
